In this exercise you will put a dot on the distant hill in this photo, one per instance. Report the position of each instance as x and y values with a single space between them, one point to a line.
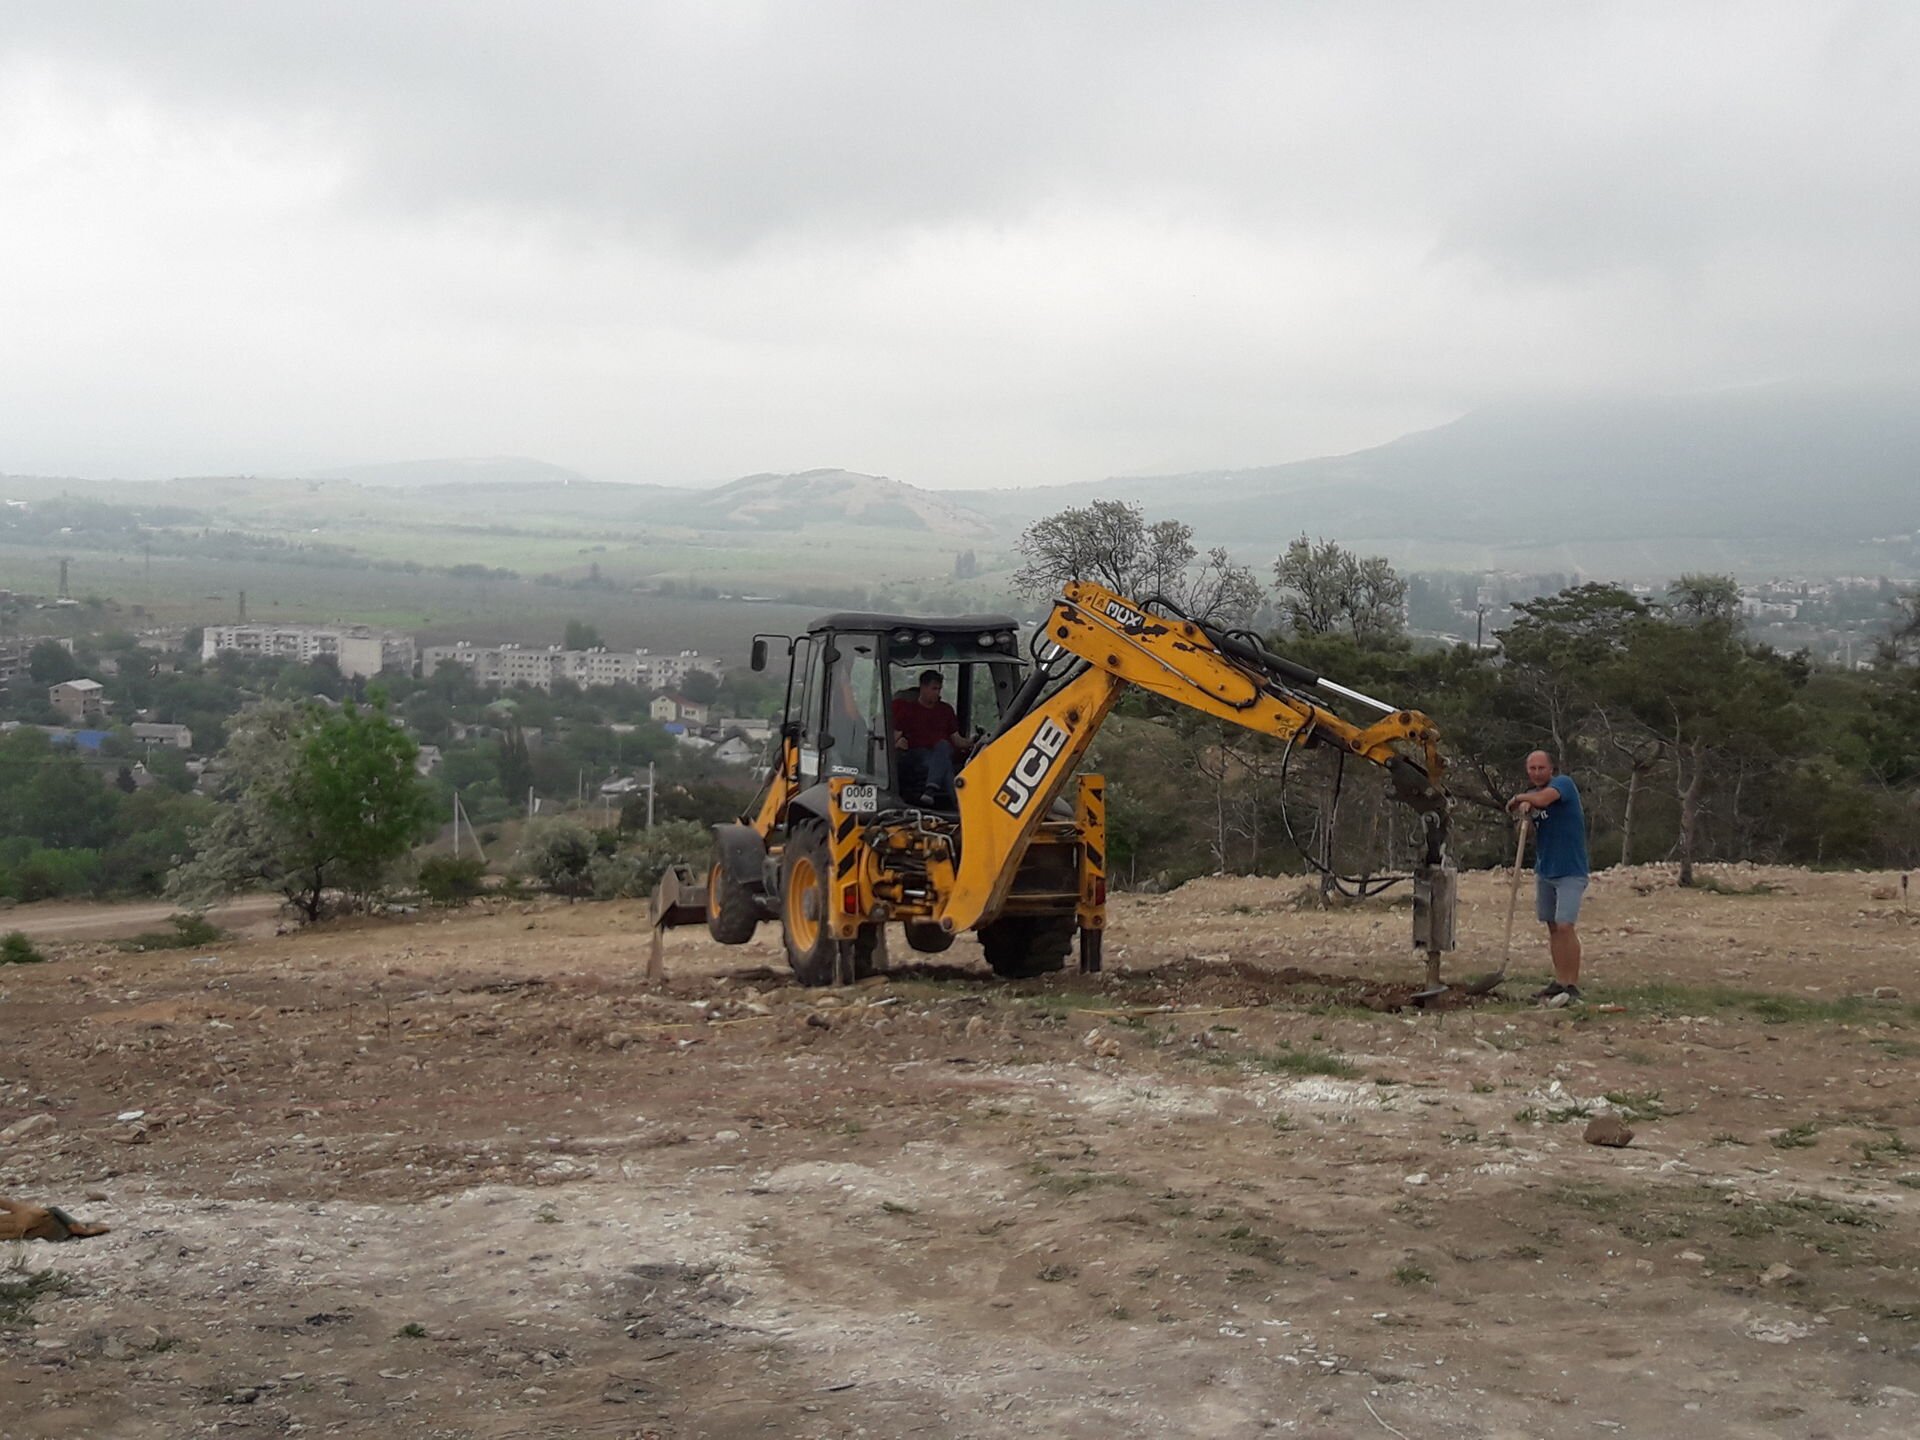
832 497
1597 482
493 470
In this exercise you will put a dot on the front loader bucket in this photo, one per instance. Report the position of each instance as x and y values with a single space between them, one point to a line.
679 899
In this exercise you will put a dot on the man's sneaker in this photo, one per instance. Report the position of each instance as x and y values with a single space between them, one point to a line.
1554 988
1574 997
1569 995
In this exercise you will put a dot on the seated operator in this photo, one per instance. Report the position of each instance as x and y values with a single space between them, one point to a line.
927 736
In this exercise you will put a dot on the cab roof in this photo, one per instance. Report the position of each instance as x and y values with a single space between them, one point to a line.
940 624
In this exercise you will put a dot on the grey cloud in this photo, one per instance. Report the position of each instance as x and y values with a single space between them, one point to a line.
1073 236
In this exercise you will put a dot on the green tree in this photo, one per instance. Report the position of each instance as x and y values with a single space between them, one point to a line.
1110 543
1326 589
1713 702
515 765
319 805
583 636
50 662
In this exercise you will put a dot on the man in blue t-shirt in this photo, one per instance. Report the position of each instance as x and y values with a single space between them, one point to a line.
1559 869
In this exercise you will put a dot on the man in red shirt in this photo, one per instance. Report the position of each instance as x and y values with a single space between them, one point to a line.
927 735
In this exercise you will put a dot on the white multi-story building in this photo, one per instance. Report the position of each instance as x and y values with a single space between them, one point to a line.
504 666
357 649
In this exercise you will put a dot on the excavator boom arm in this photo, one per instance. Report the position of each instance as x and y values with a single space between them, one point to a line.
1011 782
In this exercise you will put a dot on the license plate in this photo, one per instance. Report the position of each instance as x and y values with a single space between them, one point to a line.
859 799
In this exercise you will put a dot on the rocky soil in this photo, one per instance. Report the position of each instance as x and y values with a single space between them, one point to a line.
467 1176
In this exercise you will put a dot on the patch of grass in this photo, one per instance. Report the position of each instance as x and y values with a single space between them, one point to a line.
1505 1040
1768 1007
1727 1137
1881 1151
1412 1275
1304 1062
21 1286
1702 1214
1795 1137
17 949
1594 1199
1078 1182
894 1207
1578 1110
1245 1240
412 1330
1638 1104
1637 1057
1054 1274
186 932
1910 1182
546 1215
1528 1115
1481 1087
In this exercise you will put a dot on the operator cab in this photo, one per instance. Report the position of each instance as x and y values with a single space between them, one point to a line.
845 673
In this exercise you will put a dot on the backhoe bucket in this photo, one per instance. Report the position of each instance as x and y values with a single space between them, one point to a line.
679 899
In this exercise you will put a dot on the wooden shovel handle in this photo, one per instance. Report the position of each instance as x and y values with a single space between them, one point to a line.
1513 888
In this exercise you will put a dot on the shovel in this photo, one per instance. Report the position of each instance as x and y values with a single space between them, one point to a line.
1487 983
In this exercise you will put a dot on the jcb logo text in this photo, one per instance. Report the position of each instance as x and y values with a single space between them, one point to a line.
1031 769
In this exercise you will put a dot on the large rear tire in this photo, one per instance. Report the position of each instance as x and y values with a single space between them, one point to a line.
805 903
1021 946
732 914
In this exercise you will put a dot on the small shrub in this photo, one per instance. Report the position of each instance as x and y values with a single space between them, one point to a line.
20 1286
1412 1275
1796 1137
187 931
632 874
452 880
557 854
17 949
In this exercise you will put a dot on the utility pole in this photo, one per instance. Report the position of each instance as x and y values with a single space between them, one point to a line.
649 794
1479 624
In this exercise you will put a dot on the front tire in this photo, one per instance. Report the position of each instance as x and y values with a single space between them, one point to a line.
805 904
732 914
1019 947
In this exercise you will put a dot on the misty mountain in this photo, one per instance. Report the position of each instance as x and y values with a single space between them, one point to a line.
1762 470
415 474
832 497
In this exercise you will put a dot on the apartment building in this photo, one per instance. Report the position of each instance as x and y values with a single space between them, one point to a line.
357 649
504 666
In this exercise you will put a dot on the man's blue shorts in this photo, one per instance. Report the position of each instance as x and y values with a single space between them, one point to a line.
1557 901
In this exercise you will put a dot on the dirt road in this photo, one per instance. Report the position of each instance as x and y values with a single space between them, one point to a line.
467 1177
90 920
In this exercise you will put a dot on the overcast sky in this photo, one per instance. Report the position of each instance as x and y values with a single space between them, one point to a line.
958 243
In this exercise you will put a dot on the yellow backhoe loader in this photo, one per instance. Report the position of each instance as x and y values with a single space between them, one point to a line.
839 843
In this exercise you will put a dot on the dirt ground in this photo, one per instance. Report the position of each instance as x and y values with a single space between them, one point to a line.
467 1177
